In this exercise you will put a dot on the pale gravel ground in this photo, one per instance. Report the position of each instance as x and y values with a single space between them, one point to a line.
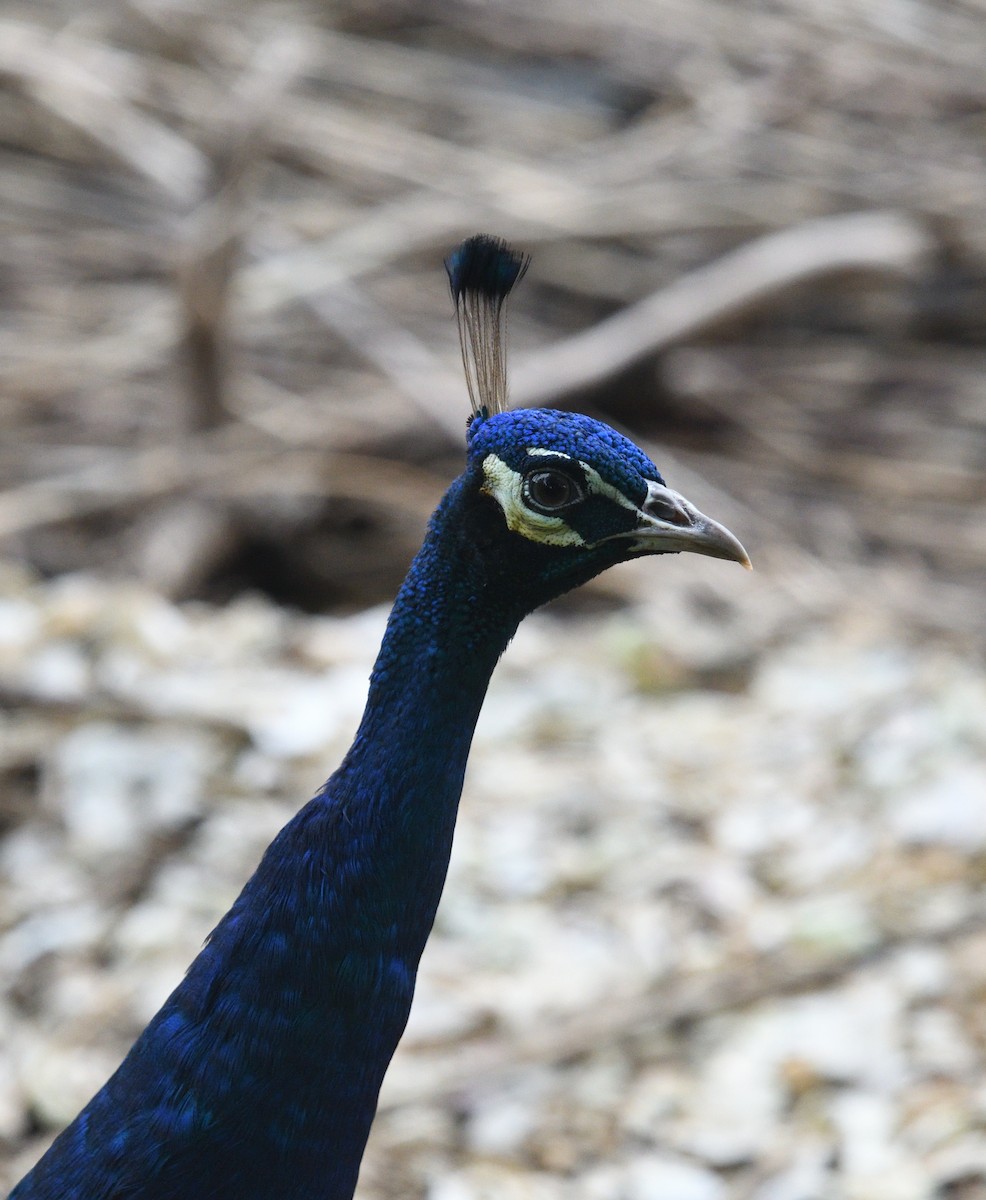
714 925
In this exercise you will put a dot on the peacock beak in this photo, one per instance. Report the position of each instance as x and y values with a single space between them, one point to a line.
669 523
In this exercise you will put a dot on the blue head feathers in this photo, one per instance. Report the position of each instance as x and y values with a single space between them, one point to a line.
520 437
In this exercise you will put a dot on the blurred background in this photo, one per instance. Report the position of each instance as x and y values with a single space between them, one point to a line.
714 926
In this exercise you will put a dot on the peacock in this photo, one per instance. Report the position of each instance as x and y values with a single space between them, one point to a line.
258 1078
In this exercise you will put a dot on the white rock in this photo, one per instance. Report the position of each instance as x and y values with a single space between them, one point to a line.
76 605
451 1187
923 972
854 1032
39 874
439 1017
500 1125
652 1099
57 931
948 810
332 641
602 1182
809 1177
939 1044
660 1177
304 715
13 1115
59 1079
721 1146
875 1165
112 785
161 628
889 757
833 922
819 680
963 1158
20 625
489 1181
58 671
739 1088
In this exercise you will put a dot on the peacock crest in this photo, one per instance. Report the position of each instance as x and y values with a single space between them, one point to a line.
482 272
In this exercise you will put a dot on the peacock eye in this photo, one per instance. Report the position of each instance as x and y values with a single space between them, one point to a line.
550 491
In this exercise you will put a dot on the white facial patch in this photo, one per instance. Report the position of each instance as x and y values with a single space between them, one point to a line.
506 486
599 487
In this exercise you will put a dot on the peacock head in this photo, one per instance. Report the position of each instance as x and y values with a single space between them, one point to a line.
571 497
560 496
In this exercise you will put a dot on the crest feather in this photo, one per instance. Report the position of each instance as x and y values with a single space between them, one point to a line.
481 273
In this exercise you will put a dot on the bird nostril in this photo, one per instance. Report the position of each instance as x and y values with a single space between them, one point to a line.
665 509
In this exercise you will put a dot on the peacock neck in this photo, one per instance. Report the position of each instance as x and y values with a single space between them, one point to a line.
400 783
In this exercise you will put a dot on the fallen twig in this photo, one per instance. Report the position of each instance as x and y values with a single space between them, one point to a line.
880 242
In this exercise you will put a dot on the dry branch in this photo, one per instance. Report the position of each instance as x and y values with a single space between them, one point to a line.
881 243
51 75
213 232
